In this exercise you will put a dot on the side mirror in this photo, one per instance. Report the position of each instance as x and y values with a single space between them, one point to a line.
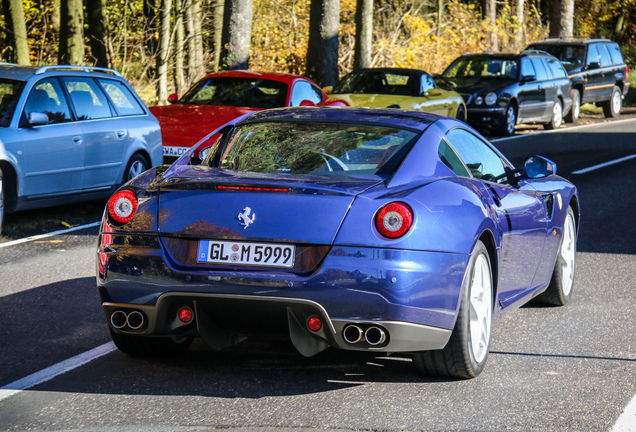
594 65
538 167
432 92
306 102
37 119
173 98
327 89
529 78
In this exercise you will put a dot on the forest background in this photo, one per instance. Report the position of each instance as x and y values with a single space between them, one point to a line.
164 46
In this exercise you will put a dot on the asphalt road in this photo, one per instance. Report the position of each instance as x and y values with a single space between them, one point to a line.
570 368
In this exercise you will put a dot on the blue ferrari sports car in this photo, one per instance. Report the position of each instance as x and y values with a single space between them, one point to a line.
378 230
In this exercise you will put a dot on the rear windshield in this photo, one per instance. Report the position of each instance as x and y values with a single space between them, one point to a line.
10 91
241 92
313 148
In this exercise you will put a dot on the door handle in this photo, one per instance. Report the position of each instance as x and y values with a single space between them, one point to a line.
121 134
77 139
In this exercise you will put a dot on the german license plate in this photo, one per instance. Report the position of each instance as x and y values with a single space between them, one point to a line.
235 253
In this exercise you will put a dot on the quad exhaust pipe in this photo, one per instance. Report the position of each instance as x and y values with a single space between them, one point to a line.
132 320
373 335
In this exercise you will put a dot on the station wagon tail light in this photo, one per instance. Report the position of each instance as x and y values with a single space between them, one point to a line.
394 220
122 206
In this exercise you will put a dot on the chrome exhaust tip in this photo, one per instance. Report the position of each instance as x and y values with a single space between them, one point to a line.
352 334
135 320
118 319
375 335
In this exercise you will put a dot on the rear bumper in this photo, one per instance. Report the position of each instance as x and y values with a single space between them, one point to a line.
413 296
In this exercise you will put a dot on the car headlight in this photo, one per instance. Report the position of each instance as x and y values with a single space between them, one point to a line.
479 100
491 98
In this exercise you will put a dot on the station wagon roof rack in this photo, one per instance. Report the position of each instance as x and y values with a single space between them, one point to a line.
536 51
86 69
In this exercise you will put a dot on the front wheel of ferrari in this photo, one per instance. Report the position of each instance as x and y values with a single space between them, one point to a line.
465 354
560 289
144 346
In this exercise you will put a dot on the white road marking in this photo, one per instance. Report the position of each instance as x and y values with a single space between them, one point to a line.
55 370
627 421
51 234
603 165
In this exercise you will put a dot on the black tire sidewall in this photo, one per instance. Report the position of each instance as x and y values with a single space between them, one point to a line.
135 158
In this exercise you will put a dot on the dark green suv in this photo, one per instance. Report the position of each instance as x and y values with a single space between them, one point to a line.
596 69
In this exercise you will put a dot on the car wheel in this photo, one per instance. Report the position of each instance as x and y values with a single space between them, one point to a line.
560 289
144 346
461 113
136 166
465 354
575 111
557 116
510 121
1 201
612 107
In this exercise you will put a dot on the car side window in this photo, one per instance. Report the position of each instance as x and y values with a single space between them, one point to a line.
615 53
592 55
556 68
482 161
451 160
539 67
527 69
303 90
88 99
47 97
605 57
124 101
427 83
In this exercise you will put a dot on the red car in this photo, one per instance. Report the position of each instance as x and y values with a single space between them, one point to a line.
223 96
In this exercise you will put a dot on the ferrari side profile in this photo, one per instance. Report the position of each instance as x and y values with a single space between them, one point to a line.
377 230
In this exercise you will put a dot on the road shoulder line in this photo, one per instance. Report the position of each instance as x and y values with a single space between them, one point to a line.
51 234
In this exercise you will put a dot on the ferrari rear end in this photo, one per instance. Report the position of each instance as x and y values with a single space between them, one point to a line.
285 229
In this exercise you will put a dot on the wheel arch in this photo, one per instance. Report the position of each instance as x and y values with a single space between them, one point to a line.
488 239
10 185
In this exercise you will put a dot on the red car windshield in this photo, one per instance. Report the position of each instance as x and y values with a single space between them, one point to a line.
237 91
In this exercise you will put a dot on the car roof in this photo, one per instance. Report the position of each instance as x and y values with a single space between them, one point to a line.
569 41
23 73
275 76
391 70
12 71
415 120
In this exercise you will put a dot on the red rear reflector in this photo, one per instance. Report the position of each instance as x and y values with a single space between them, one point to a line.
186 315
122 206
314 323
253 188
394 220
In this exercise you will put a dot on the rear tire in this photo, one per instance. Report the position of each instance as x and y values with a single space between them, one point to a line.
575 111
136 165
144 346
465 354
612 107
559 291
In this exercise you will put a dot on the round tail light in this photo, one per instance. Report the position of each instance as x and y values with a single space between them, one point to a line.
394 220
314 323
185 315
122 206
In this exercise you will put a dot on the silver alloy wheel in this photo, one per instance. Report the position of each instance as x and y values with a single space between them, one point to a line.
576 108
511 120
568 252
136 168
557 114
616 101
480 297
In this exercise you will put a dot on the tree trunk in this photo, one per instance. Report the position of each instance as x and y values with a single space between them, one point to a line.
322 47
364 34
150 27
519 36
237 28
198 38
71 32
489 13
562 18
440 17
218 32
55 17
164 52
179 55
96 31
16 31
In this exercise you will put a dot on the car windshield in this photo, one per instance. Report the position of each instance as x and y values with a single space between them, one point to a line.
10 91
377 82
236 91
482 67
313 148
571 56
